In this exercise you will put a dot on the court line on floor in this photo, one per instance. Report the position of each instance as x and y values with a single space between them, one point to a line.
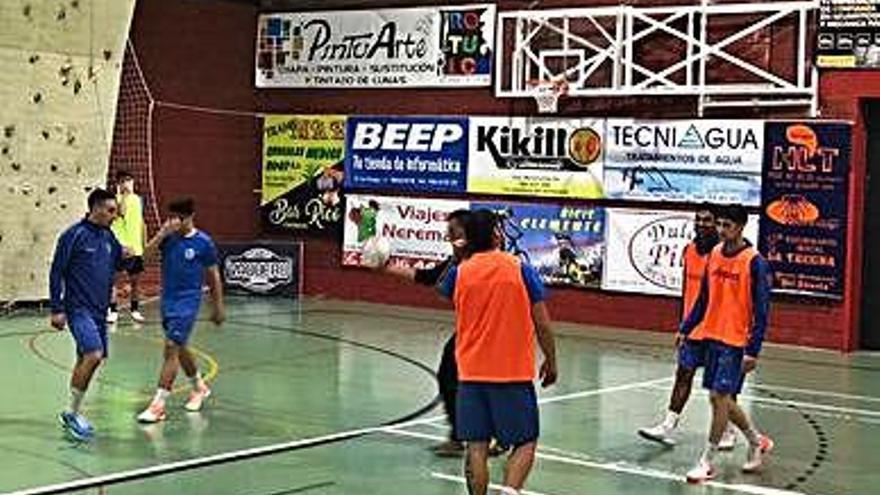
238 455
461 481
804 405
820 393
582 460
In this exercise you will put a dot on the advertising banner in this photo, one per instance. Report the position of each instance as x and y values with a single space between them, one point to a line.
412 154
849 34
537 156
803 229
414 227
380 48
645 249
262 268
684 160
564 243
302 172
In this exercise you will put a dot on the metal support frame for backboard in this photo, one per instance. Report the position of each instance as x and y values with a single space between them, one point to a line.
613 48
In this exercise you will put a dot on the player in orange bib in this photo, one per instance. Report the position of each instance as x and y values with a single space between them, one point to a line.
730 315
691 350
499 314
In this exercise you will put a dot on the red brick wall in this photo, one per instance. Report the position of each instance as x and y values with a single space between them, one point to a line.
201 53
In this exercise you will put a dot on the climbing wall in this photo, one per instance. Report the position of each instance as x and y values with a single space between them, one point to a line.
60 62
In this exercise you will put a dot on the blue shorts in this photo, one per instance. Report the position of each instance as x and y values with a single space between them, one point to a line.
692 354
507 412
724 368
89 332
179 328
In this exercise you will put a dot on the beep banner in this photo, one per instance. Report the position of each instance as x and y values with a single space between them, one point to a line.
804 203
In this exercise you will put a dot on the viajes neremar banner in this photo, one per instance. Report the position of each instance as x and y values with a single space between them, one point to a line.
415 47
805 190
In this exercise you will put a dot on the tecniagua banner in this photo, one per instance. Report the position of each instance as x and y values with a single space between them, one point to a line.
803 232
302 172
414 227
645 249
416 47
684 160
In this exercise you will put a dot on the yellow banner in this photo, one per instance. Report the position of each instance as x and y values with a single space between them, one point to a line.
297 149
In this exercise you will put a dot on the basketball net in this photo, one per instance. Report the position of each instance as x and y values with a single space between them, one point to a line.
547 92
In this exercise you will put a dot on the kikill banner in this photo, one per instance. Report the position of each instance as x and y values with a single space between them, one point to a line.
803 229
536 156
381 48
302 172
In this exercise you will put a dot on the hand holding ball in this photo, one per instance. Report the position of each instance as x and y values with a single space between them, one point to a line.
375 252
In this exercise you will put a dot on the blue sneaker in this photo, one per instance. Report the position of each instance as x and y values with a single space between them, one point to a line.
76 426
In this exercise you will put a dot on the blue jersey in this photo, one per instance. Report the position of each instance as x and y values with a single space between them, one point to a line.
184 260
86 258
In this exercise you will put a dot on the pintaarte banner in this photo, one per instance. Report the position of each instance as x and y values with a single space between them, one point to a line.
416 47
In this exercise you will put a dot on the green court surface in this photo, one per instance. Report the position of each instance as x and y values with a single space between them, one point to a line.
304 394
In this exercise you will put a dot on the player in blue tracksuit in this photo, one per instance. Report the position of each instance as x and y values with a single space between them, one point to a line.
86 258
189 258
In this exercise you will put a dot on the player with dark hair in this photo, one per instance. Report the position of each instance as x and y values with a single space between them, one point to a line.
500 309
86 258
447 373
730 315
189 257
692 349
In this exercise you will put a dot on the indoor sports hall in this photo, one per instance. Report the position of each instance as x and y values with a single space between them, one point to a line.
267 247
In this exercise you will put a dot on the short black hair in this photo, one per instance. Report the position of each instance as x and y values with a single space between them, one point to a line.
707 206
736 213
480 230
98 196
122 175
373 204
461 216
182 206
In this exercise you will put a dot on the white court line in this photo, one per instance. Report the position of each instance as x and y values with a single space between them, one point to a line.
822 414
582 460
820 393
590 393
279 447
462 481
804 405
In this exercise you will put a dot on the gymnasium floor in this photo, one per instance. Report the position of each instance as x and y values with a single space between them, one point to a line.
307 379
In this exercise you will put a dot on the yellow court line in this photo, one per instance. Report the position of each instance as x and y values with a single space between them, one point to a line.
213 364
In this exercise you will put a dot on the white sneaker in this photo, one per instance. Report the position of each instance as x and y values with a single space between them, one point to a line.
703 471
728 439
197 398
755 455
137 316
112 316
660 434
152 414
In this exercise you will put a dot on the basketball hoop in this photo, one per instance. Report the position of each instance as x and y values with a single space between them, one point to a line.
547 92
